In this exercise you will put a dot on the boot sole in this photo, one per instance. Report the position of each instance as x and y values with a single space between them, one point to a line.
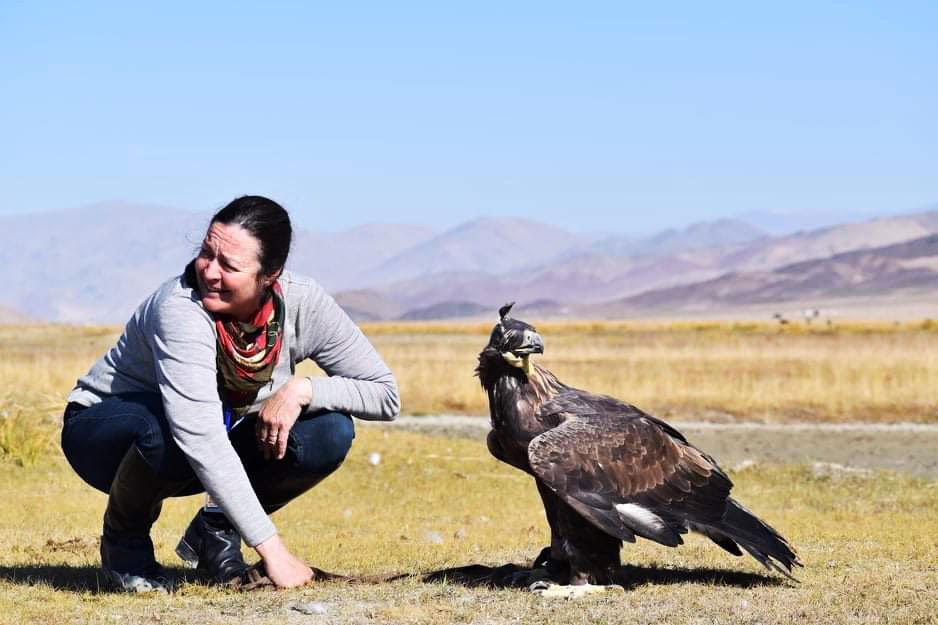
136 584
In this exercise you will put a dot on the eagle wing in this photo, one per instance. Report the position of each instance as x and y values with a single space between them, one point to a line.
625 471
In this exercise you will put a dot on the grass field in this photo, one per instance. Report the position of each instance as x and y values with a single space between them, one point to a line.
869 544
869 541
761 372
709 370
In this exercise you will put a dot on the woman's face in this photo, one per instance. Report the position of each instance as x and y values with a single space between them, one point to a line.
228 272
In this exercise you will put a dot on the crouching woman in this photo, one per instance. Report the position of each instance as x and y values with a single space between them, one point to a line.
199 393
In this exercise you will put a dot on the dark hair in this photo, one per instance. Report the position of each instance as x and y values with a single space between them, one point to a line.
267 222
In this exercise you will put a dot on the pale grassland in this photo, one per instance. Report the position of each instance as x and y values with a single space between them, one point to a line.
869 544
871 372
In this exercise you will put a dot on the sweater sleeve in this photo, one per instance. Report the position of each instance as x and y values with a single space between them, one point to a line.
184 355
359 381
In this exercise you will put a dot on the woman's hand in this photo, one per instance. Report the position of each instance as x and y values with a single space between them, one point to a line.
278 414
283 568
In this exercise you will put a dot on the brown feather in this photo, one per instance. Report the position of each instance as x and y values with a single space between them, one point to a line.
607 471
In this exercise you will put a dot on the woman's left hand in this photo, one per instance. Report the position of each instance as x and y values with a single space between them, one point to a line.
278 414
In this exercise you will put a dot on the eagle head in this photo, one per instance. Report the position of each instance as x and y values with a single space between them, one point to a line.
514 339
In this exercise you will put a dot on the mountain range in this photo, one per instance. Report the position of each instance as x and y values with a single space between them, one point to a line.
96 263
910 266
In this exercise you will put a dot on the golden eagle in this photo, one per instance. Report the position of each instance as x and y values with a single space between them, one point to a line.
606 471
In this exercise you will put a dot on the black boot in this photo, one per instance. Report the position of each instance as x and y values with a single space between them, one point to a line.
213 545
134 503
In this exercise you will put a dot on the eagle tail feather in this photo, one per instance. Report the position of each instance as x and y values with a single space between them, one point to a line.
719 538
759 539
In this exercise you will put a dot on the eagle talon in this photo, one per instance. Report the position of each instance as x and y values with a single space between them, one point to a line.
557 570
540 586
525 577
543 559
557 591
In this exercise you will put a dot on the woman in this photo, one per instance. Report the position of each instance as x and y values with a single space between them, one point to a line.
199 392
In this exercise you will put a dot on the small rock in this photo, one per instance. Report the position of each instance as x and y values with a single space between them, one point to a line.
313 607
374 458
459 534
835 471
434 538
347 513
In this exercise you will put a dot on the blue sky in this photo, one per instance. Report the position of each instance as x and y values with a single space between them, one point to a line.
615 116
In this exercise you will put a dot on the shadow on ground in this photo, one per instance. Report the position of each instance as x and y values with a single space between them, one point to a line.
71 578
629 577
90 579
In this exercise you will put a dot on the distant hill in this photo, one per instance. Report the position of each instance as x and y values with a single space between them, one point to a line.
368 305
825 242
705 234
575 272
880 271
446 310
581 277
788 222
488 245
97 262
347 259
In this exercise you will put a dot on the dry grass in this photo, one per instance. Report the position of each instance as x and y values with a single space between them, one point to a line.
870 372
869 545
38 366
869 542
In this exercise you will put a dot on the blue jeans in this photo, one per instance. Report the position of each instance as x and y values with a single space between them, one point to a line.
96 438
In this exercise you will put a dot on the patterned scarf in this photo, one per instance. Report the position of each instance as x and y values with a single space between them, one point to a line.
247 351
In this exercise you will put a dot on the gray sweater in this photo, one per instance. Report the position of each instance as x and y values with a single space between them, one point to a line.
168 347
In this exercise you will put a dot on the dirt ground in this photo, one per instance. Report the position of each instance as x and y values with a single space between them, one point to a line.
906 448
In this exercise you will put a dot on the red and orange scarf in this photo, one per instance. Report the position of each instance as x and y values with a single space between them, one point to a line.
247 351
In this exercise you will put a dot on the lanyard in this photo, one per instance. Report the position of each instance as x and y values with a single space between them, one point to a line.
226 411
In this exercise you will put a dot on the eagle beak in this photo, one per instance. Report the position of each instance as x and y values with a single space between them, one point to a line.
520 356
533 344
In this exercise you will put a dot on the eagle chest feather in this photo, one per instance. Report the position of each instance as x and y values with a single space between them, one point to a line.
515 404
